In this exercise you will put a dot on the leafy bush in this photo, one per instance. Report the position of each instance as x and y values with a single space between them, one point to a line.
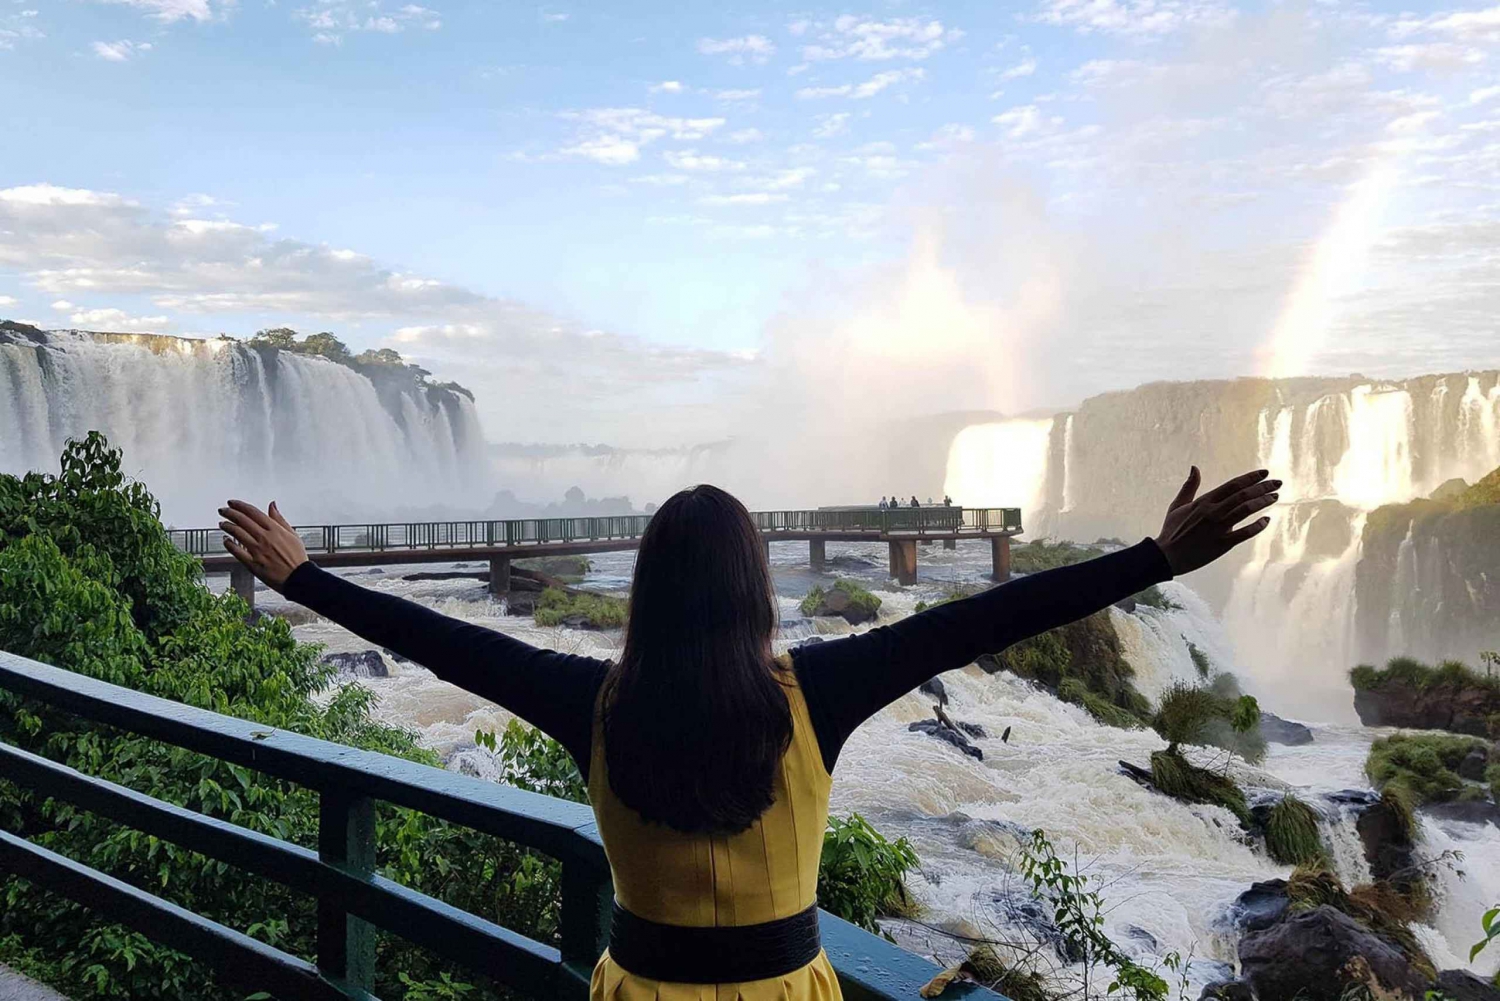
1216 715
599 611
859 597
1419 768
1411 672
1492 776
1034 557
89 581
860 873
1292 833
1153 597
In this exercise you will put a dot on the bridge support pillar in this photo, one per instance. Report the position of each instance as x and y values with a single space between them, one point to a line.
1000 557
904 561
499 575
926 542
817 553
243 582
950 543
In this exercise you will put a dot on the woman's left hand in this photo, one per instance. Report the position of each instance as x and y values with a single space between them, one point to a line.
263 542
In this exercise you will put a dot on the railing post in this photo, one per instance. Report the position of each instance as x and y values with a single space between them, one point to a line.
587 902
346 838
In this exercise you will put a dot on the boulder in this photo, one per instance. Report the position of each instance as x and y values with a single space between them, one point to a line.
952 736
1457 708
1473 765
1283 731
364 664
1461 985
1318 954
839 603
1468 811
1388 850
1141 775
989 663
1261 906
810 641
934 687
1227 990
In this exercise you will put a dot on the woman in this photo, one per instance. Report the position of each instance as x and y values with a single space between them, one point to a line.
708 759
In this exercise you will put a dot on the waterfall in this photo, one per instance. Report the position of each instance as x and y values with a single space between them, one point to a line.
1004 464
1068 486
199 420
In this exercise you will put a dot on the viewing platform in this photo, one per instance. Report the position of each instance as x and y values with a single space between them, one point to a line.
499 542
341 872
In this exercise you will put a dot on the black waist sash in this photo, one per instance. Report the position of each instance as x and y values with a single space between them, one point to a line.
735 955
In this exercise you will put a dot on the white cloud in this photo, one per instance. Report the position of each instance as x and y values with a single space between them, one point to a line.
1020 122
1132 17
115 319
737 96
615 136
661 180
168 11
753 198
330 20
1483 94
667 87
743 136
554 17
1438 56
831 125
900 38
783 180
62 305
8 300
689 159
755 48
1469 25
869 88
121 51
52 195
949 135
1025 67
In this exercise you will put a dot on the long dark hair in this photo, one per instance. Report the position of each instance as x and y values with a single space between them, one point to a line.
695 719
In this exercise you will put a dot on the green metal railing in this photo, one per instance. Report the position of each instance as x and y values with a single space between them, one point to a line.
323 539
352 897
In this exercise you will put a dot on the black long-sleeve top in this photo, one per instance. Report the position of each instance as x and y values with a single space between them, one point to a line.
845 681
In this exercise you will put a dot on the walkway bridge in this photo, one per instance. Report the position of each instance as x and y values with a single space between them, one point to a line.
903 529
353 900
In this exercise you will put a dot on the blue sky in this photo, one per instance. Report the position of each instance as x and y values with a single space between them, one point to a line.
672 216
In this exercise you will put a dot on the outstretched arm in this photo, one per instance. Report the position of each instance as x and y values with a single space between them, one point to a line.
849 680
553 691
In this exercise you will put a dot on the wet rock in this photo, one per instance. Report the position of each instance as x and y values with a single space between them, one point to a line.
445 575
1127 604
810 641
1038 919
1227 990
1318 954
1353 797
364 664
1283 731
1458 708
1461 985
1141 935
1473 765
934 687
837 602
374 572
1141 775
988 663
1388 850
1261 906
395 657
972 729
941 732
1468 811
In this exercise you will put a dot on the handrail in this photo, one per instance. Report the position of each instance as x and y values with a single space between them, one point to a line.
351 897
406 536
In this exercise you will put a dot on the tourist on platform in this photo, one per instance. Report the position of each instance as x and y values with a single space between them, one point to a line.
882 504
914 501
947 501
708 757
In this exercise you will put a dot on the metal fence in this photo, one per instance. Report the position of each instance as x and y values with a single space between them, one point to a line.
322 539
352 897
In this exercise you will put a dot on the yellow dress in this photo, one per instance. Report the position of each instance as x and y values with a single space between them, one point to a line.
767 872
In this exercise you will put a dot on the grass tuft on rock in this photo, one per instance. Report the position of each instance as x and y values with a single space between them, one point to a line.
1075 691
1412 672
1201 663
1153 597
1292 836
1179 778
1381 909
1088 653
599 611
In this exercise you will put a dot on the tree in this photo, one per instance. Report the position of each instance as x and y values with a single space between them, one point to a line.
284 338
325 345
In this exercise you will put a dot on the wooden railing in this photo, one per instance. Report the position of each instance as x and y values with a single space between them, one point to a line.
352 897
322 539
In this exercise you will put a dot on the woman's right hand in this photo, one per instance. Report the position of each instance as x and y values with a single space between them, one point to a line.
1198 530
263 542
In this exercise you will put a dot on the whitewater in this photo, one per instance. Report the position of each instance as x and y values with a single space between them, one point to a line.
1169 871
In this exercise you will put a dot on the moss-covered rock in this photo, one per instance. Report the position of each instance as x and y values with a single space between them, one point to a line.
1409 693
1421 768
846 599
580 610
1088 653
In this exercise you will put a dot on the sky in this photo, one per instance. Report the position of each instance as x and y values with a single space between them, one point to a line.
657 224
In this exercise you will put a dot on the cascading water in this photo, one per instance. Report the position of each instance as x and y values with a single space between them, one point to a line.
201 419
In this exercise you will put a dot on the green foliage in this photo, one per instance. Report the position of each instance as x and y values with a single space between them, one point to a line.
860 873
444 988
1078 913
531 760
1419 768
1292 833
1490 925
1200 659
859 598
599 611
1485 492
1216 715
1088 653
1410 672
384 361
89 581
1492 776
569 568
952 594
1175 776
1153 597
1034 557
